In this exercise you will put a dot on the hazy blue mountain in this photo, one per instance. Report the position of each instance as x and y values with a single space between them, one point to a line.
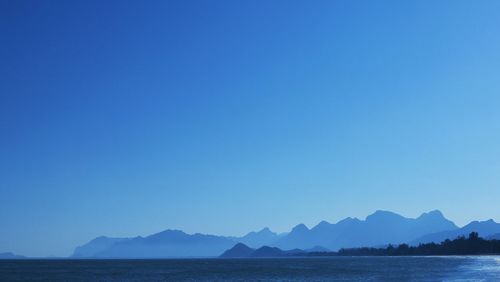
484 228
299 237
169 243
10 255
96 246
239 250
258 239
267 251
379 228
172 242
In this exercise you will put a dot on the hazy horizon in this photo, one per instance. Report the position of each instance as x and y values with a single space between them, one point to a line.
287 230
124 118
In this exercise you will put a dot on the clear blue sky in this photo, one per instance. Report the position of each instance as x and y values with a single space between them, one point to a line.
126 118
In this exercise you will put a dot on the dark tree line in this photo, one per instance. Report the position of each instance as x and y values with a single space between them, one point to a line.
472 245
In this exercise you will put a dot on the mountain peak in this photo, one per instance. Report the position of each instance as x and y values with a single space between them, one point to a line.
348 219
266 251
300 228
479 222
256 239
381 214
171 234
265 230
323 223
432 214
488 222
238 250
240 246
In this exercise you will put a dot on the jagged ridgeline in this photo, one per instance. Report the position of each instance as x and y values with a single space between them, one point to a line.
376 230
471 245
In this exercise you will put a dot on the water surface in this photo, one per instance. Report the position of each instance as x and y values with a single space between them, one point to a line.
486 268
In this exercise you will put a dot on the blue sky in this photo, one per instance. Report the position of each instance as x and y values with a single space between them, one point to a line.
125 118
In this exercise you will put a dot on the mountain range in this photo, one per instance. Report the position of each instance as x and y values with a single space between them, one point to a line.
486 229
241 250
168 243
258 239
378 229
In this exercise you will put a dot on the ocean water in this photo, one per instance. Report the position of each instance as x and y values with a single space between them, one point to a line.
482 268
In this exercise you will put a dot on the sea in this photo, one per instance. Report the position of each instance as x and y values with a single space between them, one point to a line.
449 268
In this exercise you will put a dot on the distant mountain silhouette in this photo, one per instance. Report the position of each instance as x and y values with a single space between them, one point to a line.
267 251
10 255
463 245
97 245
380 228
483 228
169 243
241 250
258 239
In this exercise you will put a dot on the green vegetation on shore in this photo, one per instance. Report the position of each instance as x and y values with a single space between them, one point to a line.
472 245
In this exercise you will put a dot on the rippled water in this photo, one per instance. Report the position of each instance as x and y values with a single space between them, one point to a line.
484 268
